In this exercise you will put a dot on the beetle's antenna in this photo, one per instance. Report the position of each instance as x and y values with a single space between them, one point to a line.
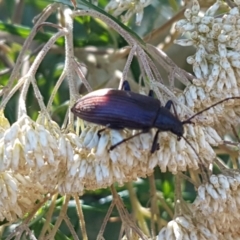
215 104
202 166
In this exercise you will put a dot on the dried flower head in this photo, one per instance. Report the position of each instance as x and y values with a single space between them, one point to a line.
18 195
215 63
92 166
185 227
117 7
30 149
218 203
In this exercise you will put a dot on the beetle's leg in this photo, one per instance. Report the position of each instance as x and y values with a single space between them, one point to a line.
126 139
126 86
110 126
151 93
155 144
101 130
168 106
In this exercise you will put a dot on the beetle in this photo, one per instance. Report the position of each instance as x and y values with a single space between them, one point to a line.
119 109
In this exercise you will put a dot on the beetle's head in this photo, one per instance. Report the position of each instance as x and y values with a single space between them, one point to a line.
178 131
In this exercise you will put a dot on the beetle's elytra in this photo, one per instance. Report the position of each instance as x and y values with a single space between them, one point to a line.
117 109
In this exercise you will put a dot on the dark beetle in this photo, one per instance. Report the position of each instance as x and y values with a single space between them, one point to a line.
118 109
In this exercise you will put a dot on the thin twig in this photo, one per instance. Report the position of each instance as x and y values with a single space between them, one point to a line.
48 217
125 216
137 209
121 232
65 121
142 58
69 64
49 24
194 174
40 56
32 71
18 11
168 92
60 218
80 74
143 77
39 98
183 76
187 178
235 133
29 233
55 89
106 218
21 231
69 51
5 58
165 206
127 66
81 217
36 208
27 220
158 79
71 228
177 195
22 110
154 69
16 70
11 93
236 144
154 206
220 164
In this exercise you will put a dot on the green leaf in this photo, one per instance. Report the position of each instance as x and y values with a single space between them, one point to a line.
93 39
82 4
24 32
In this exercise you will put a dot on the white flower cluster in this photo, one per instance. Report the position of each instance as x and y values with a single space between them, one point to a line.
41 154
94 166
216 65
214 213
216 62
218 204
18 194
185 227
30 148
117 7
179 156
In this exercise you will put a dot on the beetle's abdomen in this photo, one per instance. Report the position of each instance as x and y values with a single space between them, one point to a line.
117 109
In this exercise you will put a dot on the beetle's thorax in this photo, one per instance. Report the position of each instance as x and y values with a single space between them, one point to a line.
166 121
